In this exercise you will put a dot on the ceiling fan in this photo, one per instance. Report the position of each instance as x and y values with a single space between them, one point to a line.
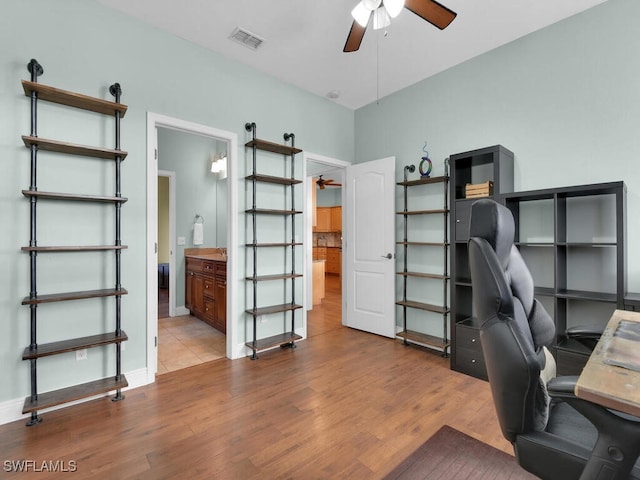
383 11
322 183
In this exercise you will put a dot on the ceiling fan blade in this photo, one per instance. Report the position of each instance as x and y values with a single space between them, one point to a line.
433 12
355 37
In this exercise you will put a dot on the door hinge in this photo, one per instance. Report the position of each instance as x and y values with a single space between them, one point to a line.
156 341
155 153
156 247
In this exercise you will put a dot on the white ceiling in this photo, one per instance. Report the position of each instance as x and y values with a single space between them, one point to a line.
304 38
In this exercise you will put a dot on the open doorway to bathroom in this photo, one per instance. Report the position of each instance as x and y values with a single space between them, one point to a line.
192 208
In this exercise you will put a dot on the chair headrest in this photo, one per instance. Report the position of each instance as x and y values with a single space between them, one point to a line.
494 223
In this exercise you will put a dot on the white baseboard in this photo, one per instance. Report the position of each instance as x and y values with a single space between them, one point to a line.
11 410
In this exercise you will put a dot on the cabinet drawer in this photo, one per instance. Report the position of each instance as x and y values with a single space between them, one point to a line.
207 287
468 337
471 362
208 312
462 219
221 269
194 265
209 267
333 256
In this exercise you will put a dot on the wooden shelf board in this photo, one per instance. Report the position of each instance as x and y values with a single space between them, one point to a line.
290 244
73 197
424 339
78 248
76 392
424 275
73 148
266 211
72 99
274 341
424 244
423 181
63 297
54 348
272 179
273 147
273 309
423 212
423 306
284 276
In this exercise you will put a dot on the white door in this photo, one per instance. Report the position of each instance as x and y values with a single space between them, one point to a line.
370 246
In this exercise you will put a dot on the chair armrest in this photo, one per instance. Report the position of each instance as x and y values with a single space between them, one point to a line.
562 387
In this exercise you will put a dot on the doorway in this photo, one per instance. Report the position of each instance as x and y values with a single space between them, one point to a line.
154 122
327 313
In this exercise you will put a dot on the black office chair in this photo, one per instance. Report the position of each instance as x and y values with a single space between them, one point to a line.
555 435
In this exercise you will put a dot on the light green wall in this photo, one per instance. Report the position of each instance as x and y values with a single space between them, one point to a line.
329 197
564 99
85 47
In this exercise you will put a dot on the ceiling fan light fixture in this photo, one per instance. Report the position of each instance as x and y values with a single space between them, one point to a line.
381 18
393 7
361 14
371 5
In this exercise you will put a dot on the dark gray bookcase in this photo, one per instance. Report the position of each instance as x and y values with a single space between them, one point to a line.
573 240
493 164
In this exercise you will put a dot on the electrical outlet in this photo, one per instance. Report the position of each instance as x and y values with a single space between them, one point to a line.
263 319
81 354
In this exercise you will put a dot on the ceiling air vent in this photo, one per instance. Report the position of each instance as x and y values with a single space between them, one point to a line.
246 38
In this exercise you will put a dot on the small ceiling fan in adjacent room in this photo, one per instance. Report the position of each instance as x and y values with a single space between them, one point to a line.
383 11
322 183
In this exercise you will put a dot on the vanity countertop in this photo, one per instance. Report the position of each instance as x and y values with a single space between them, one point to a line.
216 254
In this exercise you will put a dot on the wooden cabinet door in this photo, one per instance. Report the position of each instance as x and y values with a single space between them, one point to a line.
323 219
334 260
188 290
336 219
197 290
220 290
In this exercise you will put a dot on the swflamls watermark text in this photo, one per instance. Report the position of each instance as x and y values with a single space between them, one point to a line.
59 466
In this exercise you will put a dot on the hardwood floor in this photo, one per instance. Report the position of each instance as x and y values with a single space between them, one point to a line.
344 404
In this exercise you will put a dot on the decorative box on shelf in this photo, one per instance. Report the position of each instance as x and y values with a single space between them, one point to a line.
476 190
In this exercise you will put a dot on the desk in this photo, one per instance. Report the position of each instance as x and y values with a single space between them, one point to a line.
614 387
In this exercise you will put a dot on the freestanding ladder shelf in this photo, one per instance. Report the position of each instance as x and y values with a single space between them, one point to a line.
287 337
38 400
414 335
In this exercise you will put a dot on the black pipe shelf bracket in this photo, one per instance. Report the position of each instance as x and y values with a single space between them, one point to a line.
37 400
287 337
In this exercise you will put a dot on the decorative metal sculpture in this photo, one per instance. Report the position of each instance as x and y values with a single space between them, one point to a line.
425 159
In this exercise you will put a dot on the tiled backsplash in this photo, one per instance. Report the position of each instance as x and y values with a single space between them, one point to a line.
327 239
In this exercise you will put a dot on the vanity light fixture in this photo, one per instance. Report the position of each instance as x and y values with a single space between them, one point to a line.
219 165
